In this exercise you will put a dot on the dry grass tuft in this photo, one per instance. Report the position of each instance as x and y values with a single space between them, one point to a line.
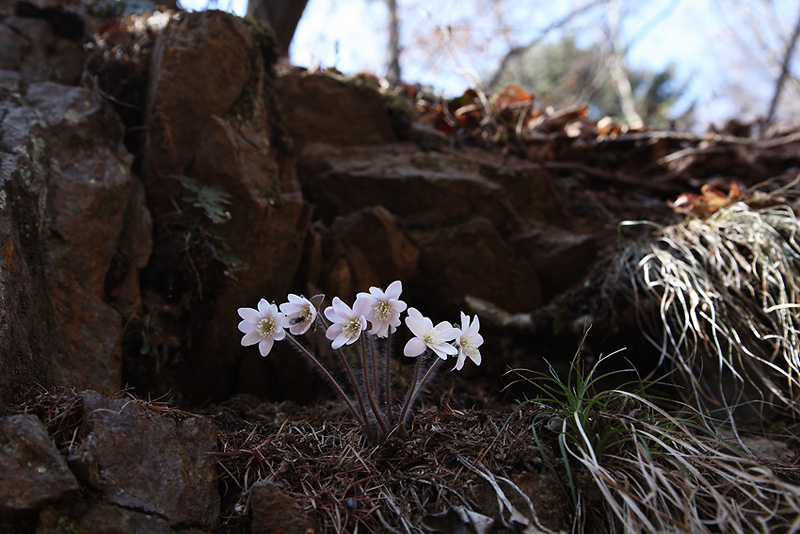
721 299
627 465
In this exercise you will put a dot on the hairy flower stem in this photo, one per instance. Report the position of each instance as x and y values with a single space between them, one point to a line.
417 388
388 388
330 378
374 365
364 420
407 403
368 389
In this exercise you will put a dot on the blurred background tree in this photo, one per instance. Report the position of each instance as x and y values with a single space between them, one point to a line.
563 75
660 62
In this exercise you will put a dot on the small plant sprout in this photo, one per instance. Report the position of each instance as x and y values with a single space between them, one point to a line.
361 337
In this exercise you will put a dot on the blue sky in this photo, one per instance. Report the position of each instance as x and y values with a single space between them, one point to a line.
699 37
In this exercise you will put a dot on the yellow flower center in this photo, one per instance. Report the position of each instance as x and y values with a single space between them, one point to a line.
432 337
469 347
352 327
383 311
266 327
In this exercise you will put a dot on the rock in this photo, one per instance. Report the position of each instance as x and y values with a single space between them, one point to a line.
199 68
43 44
376 249
275 512
65 186
456 215
99 518
150 462
559 257
529 186
423 189
212 119
32 471
472 258
324 109
132 255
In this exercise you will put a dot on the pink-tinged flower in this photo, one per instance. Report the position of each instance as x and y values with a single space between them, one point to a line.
427 336
263 326
468 341
346 324
384 308
300 314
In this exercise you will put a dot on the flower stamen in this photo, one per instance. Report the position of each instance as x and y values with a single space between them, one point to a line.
383 311
266 327
432 337
352 328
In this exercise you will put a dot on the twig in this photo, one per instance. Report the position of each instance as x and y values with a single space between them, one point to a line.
787 59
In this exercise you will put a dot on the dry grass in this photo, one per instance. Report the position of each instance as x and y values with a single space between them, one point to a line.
725 292
627 465
453 465
631 467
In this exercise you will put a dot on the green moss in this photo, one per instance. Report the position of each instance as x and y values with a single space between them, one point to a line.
272 192
265 41
66 525
11 449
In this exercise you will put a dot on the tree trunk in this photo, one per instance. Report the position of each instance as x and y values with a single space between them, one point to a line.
393 72
282 15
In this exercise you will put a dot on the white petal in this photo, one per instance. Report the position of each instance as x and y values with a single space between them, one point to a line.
447 349
250 315
340 340
341 309
398 305
251 338
289 308
299 329
464 322
476 358
331 314
414 347
376 293
333 332
418 324
246 326
264 346
263 306
380 329
296 299
394 290
363 305
441 351
447 331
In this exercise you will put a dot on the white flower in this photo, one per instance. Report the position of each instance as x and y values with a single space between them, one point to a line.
468 341
426 336
300 314
263 326
346 324
384 308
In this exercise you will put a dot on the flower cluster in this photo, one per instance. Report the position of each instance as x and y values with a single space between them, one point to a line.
362 329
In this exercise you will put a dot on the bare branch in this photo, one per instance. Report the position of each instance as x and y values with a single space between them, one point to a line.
617 67
787 58
563 21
